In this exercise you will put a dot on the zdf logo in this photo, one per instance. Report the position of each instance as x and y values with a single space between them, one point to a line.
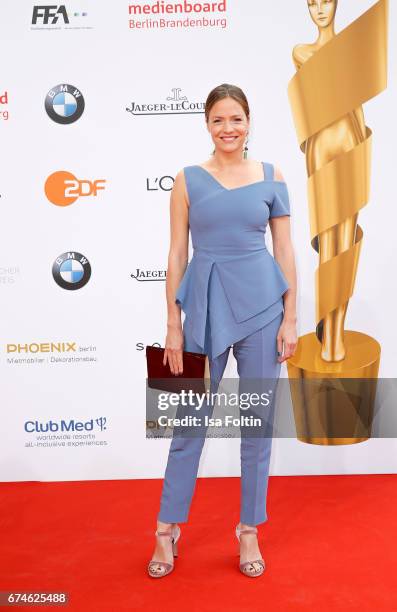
63 188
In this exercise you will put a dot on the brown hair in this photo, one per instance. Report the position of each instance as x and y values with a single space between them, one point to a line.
226 91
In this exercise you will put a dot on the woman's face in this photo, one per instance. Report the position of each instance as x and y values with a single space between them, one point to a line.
228 125
322 11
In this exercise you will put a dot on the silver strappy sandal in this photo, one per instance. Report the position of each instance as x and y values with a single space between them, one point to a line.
164 568
248 568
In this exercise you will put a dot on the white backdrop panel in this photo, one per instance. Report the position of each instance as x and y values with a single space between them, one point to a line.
126 226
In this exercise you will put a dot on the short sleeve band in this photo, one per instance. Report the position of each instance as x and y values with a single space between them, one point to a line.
280 205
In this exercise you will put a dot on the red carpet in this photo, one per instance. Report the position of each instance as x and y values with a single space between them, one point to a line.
330 543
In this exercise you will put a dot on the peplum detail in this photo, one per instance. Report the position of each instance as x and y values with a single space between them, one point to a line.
232 286
251 283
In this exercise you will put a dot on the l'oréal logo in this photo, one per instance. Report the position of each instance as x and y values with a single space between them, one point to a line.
163 183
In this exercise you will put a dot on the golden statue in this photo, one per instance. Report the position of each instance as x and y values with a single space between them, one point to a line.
320 148
335 75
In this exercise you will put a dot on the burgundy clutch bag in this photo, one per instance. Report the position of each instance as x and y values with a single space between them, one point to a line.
195 375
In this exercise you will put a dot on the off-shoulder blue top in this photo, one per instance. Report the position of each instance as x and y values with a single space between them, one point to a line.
233 283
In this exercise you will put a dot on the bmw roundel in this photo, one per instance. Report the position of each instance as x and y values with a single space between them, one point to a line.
71 270
64 103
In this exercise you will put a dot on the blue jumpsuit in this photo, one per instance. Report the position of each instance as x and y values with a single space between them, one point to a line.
231 294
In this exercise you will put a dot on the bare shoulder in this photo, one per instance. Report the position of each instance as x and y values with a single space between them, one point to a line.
206 164
298 49
278 175
298 55
179 189
180 177
302 52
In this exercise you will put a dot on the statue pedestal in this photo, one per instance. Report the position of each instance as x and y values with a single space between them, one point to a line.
333 402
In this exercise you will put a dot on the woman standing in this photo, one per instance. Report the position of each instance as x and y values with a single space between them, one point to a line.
234 293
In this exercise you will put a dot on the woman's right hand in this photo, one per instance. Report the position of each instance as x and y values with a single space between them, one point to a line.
174 350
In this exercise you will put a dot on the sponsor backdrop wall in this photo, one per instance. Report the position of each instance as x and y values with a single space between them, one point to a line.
109 101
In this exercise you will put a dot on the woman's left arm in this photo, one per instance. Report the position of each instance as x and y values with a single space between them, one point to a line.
284 255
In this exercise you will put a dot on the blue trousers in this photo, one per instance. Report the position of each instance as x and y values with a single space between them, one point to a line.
256 357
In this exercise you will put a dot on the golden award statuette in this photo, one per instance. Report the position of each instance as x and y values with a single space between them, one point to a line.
333 373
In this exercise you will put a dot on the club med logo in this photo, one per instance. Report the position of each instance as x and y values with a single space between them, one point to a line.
71 270
65 426
193 14
53 17
149 275
64 104
3 106
175 104
62 188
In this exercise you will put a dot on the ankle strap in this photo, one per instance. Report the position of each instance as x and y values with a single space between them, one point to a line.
247 531
173 532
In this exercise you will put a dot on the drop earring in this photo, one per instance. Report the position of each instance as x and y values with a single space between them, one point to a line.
245 150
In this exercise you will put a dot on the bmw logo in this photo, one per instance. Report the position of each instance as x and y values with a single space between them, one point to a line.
64 104
71 270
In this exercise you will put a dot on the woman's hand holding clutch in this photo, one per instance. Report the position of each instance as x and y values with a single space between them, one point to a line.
173 351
